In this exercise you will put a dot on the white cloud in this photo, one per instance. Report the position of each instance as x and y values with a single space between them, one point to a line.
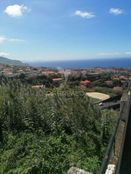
114 54
16 10
4 54
109 54
16 40
5 39
128 53
2 39
116 11
84 14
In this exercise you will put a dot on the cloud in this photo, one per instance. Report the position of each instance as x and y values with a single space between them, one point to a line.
16 40
84 14
116 11
128 53
109 54
16 10
114 54
2 39
5 39
4 54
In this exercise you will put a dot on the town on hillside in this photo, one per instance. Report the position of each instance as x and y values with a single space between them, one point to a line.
108 80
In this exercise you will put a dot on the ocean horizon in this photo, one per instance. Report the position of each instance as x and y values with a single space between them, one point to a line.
81 64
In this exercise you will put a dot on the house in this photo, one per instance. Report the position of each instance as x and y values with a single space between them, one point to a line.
57 79
109 83
84 83
7 71
47 72
123 78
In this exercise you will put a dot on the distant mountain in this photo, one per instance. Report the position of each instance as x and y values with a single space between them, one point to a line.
6 61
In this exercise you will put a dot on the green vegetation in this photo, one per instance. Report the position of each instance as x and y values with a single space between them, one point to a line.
44 133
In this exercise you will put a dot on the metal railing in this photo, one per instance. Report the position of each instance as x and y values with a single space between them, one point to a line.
109 148
125 106
118 167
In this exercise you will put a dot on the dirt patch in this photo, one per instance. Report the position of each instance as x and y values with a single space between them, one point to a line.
98 95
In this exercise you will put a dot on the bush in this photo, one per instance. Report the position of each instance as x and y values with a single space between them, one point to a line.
48 133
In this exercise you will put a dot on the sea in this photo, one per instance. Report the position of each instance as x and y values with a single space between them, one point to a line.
82 64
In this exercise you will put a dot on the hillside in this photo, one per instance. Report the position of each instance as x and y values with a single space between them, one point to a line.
42 133
7 61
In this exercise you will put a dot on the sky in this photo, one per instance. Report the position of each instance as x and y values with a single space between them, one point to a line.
46 30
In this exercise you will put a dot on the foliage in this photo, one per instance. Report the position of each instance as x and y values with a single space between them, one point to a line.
48 133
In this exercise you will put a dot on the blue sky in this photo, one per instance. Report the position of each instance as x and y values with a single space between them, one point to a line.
65 29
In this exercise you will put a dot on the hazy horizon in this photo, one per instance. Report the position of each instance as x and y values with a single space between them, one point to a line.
78 64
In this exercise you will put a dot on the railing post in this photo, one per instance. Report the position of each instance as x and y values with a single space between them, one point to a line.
124 108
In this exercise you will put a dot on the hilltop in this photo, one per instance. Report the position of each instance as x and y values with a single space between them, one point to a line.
6 61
